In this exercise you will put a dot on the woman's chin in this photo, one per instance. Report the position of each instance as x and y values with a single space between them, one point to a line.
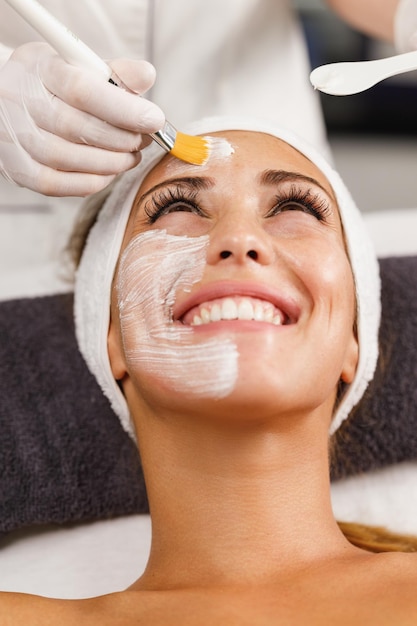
250 399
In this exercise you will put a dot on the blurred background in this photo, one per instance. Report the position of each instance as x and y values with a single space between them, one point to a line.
373 135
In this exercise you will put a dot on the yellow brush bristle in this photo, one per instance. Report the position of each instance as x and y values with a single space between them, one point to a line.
194 150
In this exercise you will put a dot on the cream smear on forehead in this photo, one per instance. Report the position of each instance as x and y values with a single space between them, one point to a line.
219 147
154 267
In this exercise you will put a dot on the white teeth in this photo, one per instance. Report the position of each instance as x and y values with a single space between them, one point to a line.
237 309
215 313
245 310
205 315
259 313
229 309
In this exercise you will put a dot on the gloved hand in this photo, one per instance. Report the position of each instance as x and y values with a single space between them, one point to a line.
65 131
405 26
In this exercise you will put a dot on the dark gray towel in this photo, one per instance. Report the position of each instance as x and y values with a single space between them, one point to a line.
383 428
64 456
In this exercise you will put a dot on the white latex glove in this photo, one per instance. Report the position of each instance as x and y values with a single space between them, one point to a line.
405 26
65 131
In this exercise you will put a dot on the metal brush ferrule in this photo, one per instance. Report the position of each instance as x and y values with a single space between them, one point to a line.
165 137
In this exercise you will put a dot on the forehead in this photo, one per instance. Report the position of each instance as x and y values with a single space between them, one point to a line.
252 153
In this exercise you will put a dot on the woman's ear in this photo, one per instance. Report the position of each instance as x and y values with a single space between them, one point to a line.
116 355
351 360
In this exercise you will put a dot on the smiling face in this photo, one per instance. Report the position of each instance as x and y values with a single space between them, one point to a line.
234 289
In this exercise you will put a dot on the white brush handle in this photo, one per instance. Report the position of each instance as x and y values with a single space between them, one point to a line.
343 79
77 53
68 45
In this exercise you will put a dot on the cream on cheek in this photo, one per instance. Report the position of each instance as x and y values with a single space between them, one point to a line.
154 267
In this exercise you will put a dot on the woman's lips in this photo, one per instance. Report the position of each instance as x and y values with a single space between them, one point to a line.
236 301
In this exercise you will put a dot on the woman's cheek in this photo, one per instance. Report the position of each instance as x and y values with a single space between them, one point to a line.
154 267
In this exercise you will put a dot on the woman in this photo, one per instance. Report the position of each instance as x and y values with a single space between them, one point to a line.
244 303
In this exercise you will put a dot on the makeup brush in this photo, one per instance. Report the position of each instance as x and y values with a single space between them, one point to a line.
195 150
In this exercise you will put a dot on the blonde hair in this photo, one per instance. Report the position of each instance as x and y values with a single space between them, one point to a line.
377 539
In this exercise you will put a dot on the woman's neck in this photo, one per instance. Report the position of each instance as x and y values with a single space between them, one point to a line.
236 504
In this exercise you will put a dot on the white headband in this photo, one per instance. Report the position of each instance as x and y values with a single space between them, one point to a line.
96 270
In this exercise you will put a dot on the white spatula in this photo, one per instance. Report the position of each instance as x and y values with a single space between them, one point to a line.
343 79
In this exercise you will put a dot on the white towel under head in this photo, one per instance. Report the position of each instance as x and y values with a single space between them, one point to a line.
96 270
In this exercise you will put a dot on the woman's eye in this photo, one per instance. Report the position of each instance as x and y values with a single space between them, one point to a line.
171 201
304 201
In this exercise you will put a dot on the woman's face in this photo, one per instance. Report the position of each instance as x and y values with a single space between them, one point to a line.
234 288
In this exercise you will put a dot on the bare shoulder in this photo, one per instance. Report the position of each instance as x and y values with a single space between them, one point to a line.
21 609
368 589
386 584
394 570
404 562
400 566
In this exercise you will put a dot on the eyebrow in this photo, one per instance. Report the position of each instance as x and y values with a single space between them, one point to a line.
193 182
277 177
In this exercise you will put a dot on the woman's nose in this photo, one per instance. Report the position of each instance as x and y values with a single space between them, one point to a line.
240 242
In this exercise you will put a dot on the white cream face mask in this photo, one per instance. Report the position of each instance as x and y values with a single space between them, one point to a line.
154 268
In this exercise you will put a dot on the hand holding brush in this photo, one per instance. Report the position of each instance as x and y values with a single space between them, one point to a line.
64 128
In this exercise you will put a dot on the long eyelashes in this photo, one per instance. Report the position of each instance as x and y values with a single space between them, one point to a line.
170 200
179 198
298 199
